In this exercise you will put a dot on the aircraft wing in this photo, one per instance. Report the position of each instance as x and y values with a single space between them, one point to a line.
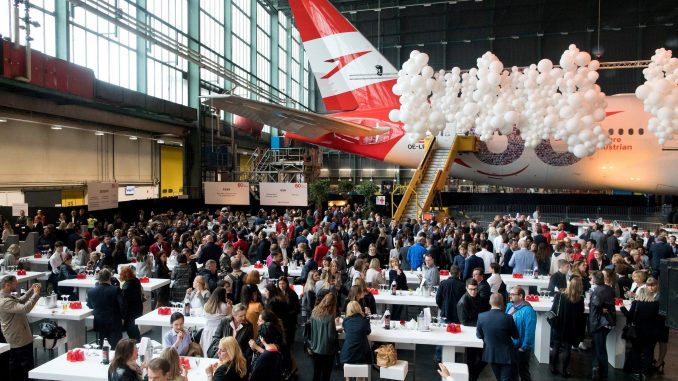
307 124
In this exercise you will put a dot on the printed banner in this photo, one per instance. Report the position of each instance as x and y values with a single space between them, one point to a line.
283 194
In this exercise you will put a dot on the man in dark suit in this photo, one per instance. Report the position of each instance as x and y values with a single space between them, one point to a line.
660 250
484 289
278 266
309 264
449 292
103 300
209 251
497 330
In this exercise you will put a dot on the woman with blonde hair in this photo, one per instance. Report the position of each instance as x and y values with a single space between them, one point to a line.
356 348
374 276
7 231
197 295
308 298
568 330
13 252
177 372
216 308
323 337
231 365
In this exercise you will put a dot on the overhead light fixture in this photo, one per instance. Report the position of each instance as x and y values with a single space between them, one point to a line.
3 120
56 127
515 37
427 4
132 137
160 141
377 10
491 38
564 33
99 133
443 42
539 34
467 41
181 144
420 44
402 7
352 12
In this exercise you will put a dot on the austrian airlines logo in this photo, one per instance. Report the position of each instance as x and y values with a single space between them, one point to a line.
343 61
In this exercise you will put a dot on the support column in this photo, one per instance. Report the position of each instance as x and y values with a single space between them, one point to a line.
142 50
61 29
193 147
275 60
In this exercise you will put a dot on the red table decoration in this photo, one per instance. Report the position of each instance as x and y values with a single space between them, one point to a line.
454 328
185 363
373 291
445 272
518 276
134 260
144 279
618 302
75 305
81 276
75 355
21 272
258 266
532 298
164 311
37 255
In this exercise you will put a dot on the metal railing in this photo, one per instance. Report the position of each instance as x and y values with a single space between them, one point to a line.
568 211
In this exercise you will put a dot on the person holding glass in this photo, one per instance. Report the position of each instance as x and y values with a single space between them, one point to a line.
568 329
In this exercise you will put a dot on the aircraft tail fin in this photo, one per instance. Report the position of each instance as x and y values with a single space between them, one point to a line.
351 73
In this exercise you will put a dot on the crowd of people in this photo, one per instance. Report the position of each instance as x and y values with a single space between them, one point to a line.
252 322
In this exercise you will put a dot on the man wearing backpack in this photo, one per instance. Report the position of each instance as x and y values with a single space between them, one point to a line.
237 279
15 327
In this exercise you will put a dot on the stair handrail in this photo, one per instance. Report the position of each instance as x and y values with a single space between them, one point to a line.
417 205
441 175
416 178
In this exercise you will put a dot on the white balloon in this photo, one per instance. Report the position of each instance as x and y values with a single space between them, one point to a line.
545 65
394 115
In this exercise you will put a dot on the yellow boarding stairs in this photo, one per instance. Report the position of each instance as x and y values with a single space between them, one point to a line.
429 178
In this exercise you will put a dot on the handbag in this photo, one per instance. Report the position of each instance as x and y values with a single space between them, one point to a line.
49 330
552 317
629 330
386 355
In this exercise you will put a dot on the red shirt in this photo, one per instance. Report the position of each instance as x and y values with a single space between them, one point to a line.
576 256
93 243
241 243
562 235
320 252
590 257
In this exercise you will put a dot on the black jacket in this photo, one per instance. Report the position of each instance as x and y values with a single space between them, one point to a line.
123 374
227 372
602 298
356 348
484 293
401 280
268 367
103 300
571 321
308 266
275 271
245 334
646 317
557 280
131 300
659 251
209 251
210 278
449 293
497 329
468 309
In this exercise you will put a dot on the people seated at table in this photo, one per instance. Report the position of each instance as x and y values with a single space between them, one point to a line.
374 276
66 271
356 348
181 276
177 337
231 366
430 272
103 299
197 295
235 325
123 366
145 262
176 372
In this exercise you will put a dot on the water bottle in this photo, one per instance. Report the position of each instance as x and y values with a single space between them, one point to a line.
106 349
394 286
187 309
387 319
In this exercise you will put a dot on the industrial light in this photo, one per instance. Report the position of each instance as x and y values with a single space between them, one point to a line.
133 137
160 141
3 120
56 127
99 133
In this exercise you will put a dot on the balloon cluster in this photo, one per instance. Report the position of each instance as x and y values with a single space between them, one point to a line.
415 84
541 101
659 94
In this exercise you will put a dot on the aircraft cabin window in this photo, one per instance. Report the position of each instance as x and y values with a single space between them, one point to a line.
630 131
621 131
641 131
610 132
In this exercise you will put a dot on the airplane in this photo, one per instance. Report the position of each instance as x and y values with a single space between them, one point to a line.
355 80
